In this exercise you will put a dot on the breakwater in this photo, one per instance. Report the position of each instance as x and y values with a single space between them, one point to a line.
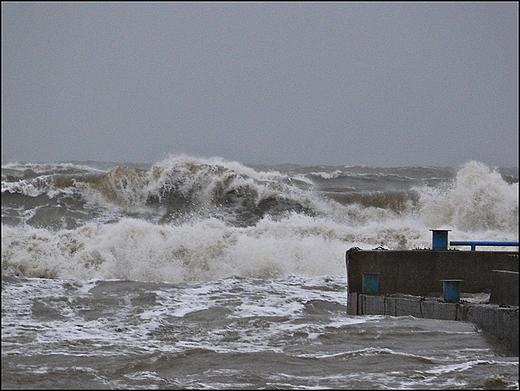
400 283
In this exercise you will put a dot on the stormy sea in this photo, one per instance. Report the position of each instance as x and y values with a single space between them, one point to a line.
203 273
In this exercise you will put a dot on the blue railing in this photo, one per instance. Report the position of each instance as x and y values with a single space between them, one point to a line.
474 243
440 241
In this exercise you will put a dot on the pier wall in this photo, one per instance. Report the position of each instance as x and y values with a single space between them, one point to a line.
501 322
410 283
419 272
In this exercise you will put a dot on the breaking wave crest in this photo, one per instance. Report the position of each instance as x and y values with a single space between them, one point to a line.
479 199
188 219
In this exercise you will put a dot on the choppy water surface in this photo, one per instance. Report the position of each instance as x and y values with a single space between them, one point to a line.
203 273
233 333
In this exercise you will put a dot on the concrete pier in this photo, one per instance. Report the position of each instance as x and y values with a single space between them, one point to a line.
411 283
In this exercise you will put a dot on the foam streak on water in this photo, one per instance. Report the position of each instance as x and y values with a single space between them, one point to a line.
232 333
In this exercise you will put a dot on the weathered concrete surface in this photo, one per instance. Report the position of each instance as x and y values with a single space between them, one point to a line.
504 287
501 322
419 272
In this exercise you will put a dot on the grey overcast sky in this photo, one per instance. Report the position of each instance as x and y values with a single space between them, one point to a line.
332 83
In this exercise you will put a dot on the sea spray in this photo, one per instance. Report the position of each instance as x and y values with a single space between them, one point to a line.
478 200
188 219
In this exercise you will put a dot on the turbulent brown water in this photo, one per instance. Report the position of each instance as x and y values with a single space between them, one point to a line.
203 273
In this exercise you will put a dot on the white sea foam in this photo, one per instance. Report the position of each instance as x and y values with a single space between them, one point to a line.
205 249
477 205
479 200
211 333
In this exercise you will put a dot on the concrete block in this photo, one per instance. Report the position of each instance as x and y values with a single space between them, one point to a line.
373 304
406 307
502 323
512 342
352 304
490 318
448 311
506 328
431 309
390 304
504 287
